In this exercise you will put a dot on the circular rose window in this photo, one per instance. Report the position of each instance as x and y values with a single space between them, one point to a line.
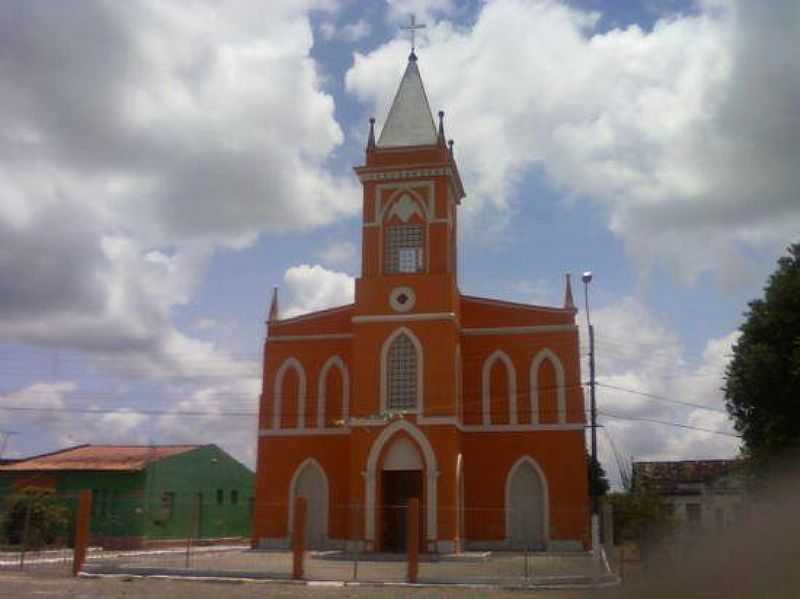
402 299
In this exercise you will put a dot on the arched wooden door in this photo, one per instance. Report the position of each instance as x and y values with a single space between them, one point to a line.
526 505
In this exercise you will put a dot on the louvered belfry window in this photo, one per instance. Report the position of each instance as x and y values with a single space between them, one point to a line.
403 249
402 374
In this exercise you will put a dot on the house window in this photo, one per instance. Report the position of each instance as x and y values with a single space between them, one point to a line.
402 374
403 249
220 496
234 497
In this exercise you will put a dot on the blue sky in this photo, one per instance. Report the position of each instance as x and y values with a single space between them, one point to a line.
165 165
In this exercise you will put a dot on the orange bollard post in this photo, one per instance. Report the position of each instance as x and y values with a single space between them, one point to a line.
82 524
298 537
412 537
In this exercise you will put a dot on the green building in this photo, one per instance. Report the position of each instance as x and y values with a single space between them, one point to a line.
146 494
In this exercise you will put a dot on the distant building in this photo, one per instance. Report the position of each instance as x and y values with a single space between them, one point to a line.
703 494
469 404
143 494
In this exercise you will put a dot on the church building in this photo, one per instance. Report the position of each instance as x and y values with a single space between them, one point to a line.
473 405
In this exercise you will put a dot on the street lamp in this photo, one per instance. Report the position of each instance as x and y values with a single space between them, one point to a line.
587 278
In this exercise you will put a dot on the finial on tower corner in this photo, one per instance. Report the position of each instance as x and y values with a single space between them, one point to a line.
440 138
450 144
274 313
569 303
371 138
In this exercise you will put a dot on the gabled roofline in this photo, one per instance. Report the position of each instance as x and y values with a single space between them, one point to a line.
312 315
508 304
49 453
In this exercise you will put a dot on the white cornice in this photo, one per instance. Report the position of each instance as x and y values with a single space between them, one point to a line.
367 318
511 428
529 330
319 337
423 422
405 174
302 432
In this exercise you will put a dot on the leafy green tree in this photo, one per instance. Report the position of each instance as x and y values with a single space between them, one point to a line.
598 481
45 516
762 381
639 513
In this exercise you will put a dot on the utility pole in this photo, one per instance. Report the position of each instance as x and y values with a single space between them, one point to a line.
587 278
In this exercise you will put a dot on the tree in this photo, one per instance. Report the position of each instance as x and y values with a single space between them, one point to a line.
762 381
598 481
39 511
640 513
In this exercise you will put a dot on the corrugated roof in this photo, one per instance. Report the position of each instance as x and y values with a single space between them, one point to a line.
410 122
117 458
666 477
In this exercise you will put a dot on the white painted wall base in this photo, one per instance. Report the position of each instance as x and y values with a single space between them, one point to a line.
354 546
555 546
273 543
445 546
596 536
565 545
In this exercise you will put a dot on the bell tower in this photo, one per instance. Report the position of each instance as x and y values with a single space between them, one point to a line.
412 190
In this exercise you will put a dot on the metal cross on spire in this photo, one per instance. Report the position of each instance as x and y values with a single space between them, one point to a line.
413 29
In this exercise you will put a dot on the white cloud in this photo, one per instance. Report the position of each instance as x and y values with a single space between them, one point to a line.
635 351
424 10
165 132
657 127
327 30
313 288
350 32
339 253
225 415
353 32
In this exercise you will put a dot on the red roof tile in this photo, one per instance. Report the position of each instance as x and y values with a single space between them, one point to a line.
119 458
666 477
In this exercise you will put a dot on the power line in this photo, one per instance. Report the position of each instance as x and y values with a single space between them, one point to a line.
662 398
667 423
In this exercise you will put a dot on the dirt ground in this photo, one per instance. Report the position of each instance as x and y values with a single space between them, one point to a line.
24 585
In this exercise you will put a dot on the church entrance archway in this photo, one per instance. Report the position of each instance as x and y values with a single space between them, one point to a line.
526 506
376 460
310 482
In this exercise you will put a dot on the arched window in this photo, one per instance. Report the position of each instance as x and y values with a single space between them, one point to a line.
401 374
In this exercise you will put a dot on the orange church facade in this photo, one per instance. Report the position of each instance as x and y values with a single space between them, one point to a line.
473 405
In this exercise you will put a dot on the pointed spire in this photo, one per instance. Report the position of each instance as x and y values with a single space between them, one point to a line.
371 138
569 303
410 122
440 136
274 313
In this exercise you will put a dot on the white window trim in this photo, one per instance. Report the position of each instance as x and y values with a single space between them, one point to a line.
384 392
310 463
322 390
511 373
545 492
561 398
431 476
277 394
